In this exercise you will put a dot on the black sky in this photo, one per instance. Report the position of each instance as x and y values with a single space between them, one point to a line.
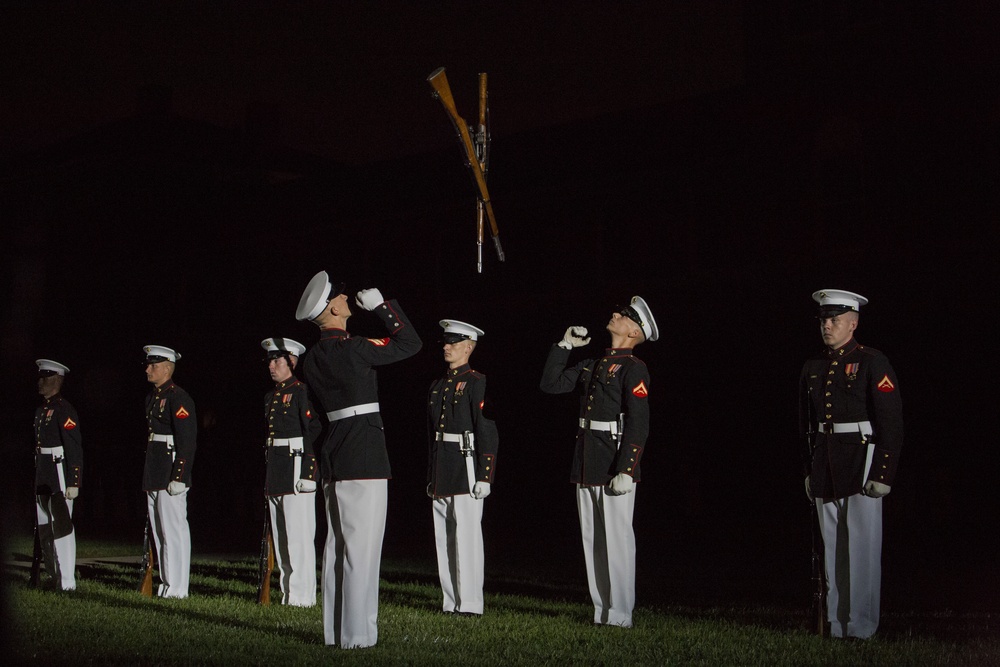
348 79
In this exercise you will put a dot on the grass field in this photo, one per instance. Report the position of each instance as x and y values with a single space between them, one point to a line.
527 622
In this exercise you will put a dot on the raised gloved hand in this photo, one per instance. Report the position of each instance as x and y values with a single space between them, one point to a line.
875 489
72 492
305 486
369 299
176 488
574 337
809 491
481 490
620 484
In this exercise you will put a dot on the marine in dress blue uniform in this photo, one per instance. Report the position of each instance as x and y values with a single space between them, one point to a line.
850 401
166 478
292 428
461 463
58 471
354 463
613 428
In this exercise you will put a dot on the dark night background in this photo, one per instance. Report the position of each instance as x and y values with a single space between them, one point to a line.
175 174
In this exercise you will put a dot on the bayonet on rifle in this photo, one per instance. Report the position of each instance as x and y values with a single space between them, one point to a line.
442 91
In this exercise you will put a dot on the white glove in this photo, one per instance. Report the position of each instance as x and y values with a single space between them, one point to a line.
176 488
369 299
574 337
72 492
305 486
620 484
809 491
875 489
481 490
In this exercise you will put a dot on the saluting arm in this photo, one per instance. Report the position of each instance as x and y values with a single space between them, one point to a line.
556 377
403 341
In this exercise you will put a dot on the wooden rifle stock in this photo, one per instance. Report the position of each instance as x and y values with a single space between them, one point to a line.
266 563
439 82
146 585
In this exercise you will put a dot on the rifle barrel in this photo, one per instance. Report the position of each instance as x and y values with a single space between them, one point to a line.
439 82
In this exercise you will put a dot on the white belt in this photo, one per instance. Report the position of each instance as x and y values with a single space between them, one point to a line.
593 425
57 457
169 439
470 465
864 428
294 443
454 437
363 409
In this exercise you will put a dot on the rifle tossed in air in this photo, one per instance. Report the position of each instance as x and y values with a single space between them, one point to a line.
476 155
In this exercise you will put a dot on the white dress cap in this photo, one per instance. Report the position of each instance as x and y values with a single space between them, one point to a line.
278 345
314 298
460 330
50 367
648 324
838 300
157 353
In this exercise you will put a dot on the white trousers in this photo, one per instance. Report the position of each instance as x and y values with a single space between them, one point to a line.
293 529
458 535
852 549
609 552
172 537
57 538
355 517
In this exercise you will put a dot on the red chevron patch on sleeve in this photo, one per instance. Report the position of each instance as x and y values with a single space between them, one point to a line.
380 342
885 384
640 390
69 424
182 413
